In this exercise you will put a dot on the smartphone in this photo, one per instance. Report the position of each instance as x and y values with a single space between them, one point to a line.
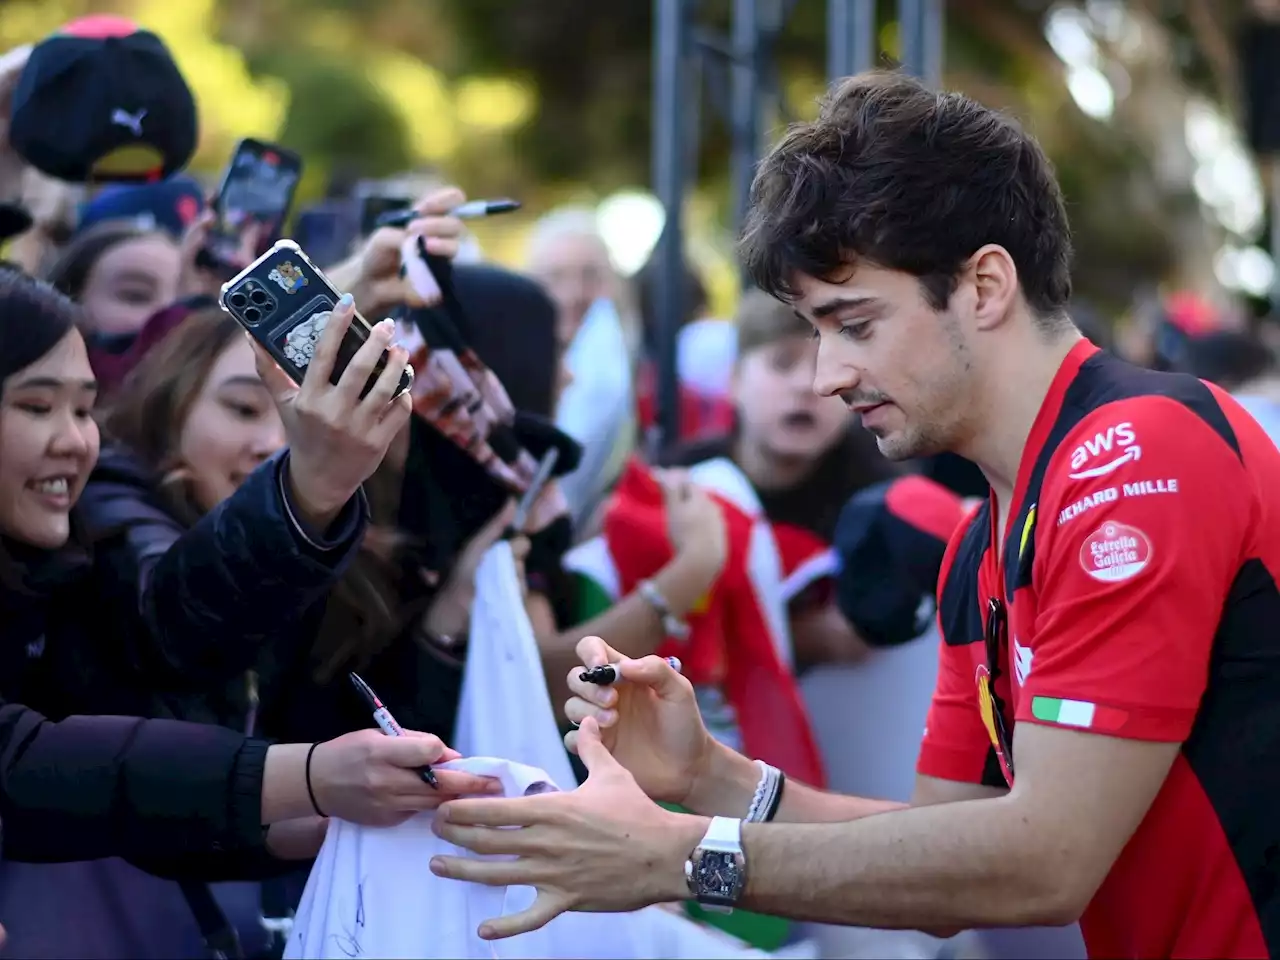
256 191
284 301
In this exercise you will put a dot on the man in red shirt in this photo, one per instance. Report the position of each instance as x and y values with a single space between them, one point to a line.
1104 742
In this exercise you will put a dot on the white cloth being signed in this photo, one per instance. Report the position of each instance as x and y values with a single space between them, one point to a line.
371 892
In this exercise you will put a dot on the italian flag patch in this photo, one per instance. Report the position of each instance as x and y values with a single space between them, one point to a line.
1077 713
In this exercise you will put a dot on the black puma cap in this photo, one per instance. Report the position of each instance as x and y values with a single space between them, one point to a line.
103 101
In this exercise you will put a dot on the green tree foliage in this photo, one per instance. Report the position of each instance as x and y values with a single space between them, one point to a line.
585 69
337 117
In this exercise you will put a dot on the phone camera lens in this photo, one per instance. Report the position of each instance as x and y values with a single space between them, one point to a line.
238 300
253 314
258 296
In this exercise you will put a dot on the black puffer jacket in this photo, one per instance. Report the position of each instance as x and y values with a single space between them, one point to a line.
180 800
445 496
273 582
203 604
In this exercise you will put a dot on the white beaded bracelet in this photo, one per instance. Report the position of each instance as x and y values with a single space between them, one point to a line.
672 626
764 804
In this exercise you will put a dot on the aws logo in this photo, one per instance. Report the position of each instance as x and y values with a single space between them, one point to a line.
1114 448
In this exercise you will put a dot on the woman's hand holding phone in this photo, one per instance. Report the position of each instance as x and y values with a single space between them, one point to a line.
337 439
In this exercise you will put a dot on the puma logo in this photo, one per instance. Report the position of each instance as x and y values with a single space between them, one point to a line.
130 121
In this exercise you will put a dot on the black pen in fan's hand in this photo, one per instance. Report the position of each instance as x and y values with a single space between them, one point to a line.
386 722
471 210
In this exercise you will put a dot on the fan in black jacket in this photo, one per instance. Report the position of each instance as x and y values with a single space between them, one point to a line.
188 800
180 799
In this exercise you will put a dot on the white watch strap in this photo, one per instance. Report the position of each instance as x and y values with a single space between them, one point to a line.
725 833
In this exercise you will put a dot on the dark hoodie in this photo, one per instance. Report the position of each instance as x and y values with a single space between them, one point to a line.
510 322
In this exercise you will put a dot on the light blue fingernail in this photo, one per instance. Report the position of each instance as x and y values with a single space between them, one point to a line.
346 301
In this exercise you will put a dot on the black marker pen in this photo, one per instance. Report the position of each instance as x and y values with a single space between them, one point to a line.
610 673
471 210
383 718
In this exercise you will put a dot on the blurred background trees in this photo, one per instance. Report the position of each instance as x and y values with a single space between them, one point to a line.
548 101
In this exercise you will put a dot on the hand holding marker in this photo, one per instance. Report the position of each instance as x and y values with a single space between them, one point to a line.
383 718
610 673
472 210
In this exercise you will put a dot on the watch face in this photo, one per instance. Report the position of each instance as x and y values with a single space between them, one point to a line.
718 875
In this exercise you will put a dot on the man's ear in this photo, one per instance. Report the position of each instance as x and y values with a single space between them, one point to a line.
995 280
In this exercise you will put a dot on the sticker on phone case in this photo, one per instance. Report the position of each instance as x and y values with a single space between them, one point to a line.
287 277
299 344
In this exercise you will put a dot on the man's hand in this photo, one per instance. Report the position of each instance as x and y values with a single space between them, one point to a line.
604 847
373 275
369 778
649 721
336 439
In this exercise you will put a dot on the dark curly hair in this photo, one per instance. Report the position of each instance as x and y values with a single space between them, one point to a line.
897 175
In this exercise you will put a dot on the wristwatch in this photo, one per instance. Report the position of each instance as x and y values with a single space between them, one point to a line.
716 871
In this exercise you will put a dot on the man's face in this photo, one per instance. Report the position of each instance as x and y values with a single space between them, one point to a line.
575 270
902 366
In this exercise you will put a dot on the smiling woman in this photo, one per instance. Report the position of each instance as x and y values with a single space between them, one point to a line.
48 439
196 413
48 446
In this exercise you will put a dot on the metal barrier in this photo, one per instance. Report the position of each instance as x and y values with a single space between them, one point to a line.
679 47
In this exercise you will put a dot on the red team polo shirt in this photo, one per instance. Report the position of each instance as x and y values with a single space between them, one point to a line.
1137 599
